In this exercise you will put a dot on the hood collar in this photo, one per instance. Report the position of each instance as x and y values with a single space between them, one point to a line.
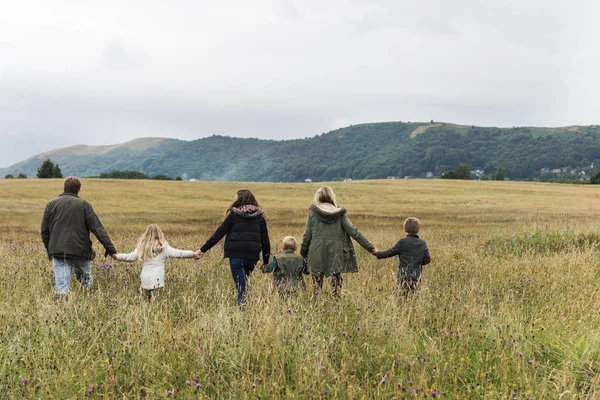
328 212
247 211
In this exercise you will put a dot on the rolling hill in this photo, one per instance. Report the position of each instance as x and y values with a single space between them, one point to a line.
365 151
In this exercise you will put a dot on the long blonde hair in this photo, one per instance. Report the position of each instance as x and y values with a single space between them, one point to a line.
151 243
324 195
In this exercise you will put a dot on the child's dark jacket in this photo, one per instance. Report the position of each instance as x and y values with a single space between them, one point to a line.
412 253
287 271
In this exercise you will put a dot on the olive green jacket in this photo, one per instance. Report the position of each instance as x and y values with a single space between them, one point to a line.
326 241
66 226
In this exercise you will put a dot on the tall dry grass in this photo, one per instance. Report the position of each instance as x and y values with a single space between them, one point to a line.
509 307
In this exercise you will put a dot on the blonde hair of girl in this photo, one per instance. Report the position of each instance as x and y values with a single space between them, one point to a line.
151 243
325 195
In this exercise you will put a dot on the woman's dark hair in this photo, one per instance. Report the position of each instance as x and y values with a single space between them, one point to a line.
243 197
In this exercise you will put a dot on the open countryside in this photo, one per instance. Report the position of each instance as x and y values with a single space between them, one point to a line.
509 306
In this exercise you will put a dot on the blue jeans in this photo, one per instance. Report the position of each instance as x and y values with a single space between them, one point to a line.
62 273
240 270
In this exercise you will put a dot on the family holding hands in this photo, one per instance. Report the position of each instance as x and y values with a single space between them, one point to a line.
326 250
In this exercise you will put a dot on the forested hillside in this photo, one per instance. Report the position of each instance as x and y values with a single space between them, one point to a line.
366 151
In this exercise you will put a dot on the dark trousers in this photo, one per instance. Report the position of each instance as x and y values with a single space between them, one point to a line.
336 283
408 280
240 270
151 294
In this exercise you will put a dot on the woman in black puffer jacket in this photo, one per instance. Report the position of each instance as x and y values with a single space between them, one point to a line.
246 235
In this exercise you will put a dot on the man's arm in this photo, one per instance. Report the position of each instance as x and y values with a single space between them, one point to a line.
93 224
45 228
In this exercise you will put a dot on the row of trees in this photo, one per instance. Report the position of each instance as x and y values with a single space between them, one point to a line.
20 176
463 172
49 170
130 174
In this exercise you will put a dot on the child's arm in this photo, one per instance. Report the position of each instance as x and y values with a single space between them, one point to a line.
426 257
219 233
176 253
129 257
305 270
270 267
393 251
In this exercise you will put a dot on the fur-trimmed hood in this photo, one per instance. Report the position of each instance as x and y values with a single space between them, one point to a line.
247 211
328 213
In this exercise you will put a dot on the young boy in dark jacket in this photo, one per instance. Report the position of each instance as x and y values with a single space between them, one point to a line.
412 253
288 268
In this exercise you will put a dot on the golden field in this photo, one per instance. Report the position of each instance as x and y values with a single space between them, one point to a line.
508 308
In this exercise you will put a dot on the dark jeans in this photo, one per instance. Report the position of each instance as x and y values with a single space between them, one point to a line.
240 270
336 283
408 281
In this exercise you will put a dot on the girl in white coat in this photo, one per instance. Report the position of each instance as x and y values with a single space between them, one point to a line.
152 247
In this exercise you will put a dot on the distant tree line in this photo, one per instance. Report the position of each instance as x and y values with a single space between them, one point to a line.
130 174
20 176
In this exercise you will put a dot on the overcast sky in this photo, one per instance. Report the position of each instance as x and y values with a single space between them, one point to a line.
107 71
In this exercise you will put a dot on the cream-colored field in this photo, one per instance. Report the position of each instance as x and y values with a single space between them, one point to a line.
509 306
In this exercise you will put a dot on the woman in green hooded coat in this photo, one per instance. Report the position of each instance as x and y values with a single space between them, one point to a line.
326 241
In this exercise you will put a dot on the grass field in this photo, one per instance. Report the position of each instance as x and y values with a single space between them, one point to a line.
508 308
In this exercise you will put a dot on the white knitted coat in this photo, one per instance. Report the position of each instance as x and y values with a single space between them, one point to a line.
153 272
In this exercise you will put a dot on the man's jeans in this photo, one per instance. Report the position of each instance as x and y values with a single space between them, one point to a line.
62 273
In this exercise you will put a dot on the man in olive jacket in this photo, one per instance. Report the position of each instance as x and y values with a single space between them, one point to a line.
66 226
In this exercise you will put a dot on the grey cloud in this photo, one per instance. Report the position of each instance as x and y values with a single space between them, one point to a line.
100 73
116 55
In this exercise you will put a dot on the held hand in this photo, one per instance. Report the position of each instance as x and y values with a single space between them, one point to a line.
374 251
198 254
114 256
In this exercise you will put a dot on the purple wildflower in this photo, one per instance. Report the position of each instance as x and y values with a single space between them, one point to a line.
433 393
170 392
323 368
25 381
188 382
